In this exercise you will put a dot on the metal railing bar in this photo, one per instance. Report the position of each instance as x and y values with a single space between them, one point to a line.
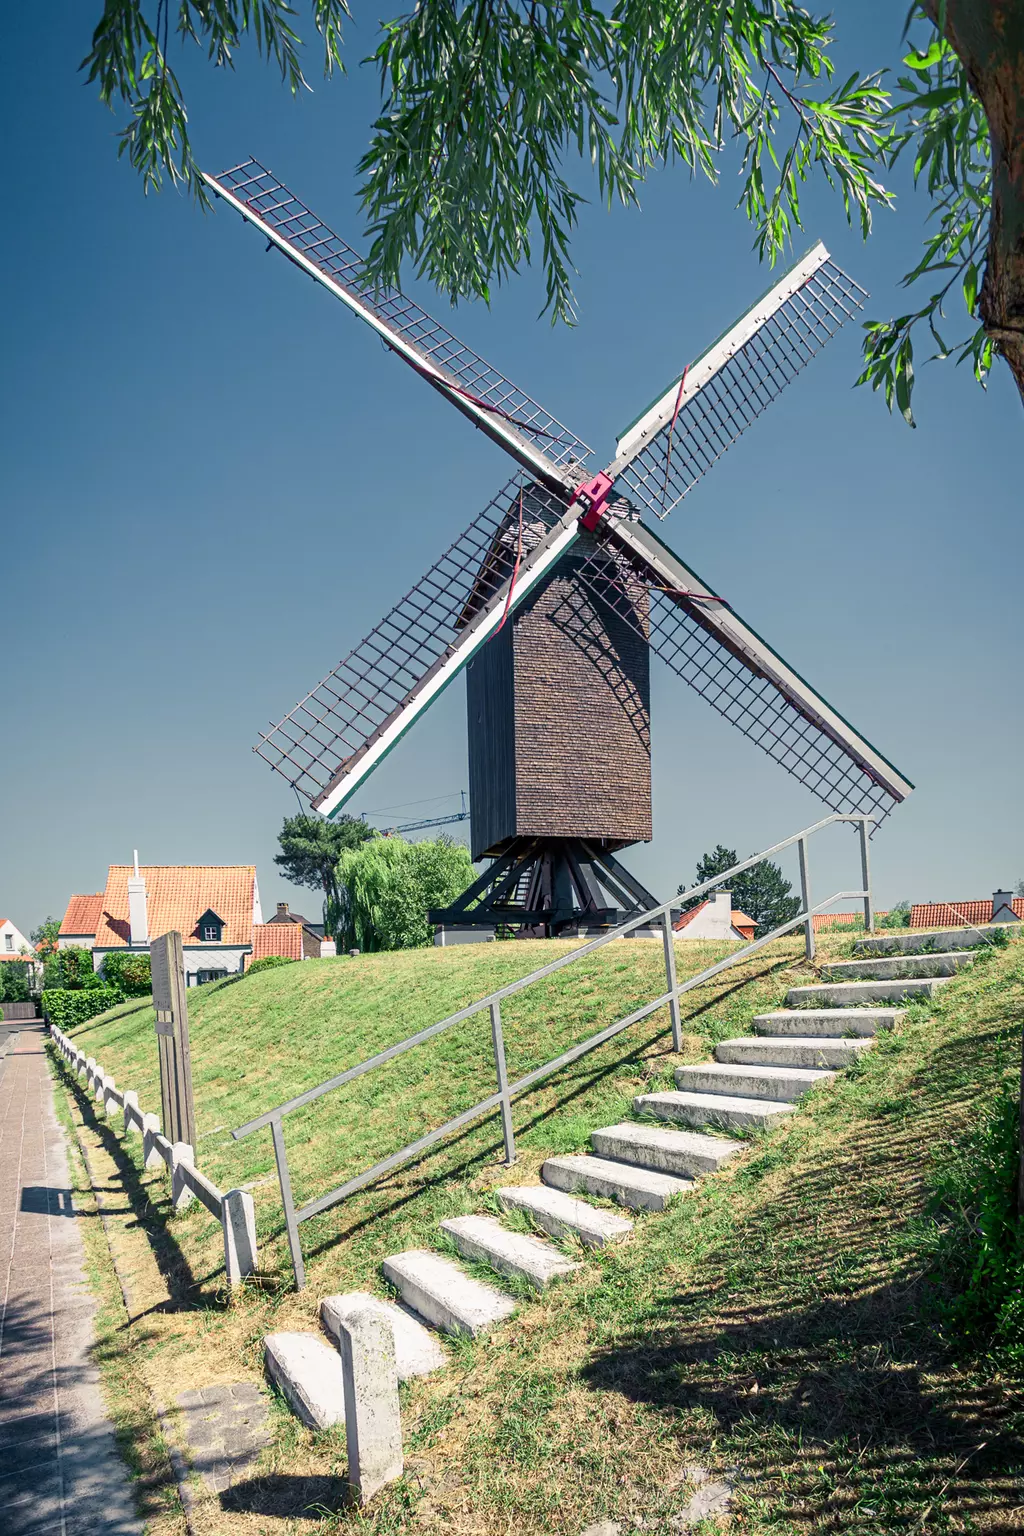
496 1100
644 919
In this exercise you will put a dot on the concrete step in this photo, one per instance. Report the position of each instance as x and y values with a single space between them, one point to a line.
561 1215
894 967
840 994
417 1351
827 1021
792 1051
784 1083
308 1374
517 1254
719 1110
642 1189
936 942
439 1291
683 1153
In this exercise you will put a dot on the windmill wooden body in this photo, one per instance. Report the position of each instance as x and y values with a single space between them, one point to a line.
553 600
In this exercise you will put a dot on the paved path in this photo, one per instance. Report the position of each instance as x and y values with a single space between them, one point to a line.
59 1467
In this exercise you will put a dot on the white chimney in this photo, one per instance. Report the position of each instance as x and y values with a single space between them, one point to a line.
1002 907
137 920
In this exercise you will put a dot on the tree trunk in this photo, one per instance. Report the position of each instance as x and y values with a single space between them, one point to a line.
988 38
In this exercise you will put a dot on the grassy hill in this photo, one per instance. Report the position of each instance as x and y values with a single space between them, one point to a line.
784 1320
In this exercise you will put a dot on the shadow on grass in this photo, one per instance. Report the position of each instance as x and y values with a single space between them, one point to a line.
810 1340
283 1496
185 1291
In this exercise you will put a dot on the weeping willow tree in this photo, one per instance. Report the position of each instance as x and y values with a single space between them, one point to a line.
392 884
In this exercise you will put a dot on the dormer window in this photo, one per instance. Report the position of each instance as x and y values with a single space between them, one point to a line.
210 928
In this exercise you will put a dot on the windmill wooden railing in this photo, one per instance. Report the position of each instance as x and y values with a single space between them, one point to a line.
506 1091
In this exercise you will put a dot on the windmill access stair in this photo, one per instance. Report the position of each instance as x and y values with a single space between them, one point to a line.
677 1138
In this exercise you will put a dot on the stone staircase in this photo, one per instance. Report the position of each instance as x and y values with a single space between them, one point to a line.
678 1137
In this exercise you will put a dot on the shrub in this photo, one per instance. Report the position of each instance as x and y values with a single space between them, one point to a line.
393 884
129 972
14 986
268 963
68 1009
70 969
897 917
981 1255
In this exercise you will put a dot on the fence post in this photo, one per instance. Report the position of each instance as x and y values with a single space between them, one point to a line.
284 1179
805 896
181 1195
670 977
131 1102
239 1221
865 870
498 1040
373 1423
150 1131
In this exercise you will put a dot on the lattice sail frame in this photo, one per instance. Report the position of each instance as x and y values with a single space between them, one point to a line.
663 454
738 674
333 739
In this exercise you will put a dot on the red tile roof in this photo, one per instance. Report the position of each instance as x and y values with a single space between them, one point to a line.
948 914
177 895
83 914
277 939
825 920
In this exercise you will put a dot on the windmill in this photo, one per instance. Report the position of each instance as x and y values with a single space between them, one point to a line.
553 599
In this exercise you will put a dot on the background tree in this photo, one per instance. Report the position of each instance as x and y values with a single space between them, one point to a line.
762 892
311 847
392 885
485 104
45 936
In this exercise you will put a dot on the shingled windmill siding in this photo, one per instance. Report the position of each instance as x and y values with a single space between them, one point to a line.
559 720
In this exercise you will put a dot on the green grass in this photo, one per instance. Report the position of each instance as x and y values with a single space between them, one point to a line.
789 1319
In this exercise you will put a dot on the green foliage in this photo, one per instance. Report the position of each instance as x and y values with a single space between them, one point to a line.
45 936
130 973
70 968
68 1009
762 892
392 884
938 120
897 916
981 1256
311 847
268 963
14 982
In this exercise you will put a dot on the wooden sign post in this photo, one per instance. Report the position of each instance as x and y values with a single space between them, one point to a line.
170 1001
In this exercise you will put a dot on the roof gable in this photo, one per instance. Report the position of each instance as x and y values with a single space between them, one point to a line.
83 914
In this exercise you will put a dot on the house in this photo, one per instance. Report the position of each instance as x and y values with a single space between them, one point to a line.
13 943
714 918
312 933
1006 908
215 908
824 922
79 924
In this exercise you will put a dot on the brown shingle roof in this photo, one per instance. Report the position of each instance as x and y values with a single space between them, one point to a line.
177 895
948 914
83 914
277 939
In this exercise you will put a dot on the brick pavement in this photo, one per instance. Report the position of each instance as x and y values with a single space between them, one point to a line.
59 1467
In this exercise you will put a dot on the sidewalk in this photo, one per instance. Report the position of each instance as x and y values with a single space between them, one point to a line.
59 1468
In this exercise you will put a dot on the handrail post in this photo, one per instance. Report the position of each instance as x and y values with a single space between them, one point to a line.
805 896
498 1040
670 978
284 1179
865 870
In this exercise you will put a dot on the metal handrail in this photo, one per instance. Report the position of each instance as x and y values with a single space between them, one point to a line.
492 1002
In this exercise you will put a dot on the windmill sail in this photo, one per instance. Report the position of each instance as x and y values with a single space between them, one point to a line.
663 454
710 647
535 438
335 737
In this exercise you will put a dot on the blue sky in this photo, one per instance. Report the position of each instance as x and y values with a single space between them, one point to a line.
213 482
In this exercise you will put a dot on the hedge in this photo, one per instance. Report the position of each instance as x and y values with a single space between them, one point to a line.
268 963
67 1009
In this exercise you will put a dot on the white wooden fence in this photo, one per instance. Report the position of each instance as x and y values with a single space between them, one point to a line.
234 1209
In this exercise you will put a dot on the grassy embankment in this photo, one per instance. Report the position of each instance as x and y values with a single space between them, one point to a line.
780 1320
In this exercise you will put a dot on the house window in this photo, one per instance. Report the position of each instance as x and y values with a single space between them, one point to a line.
202 977
210 927
8 941
211 933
